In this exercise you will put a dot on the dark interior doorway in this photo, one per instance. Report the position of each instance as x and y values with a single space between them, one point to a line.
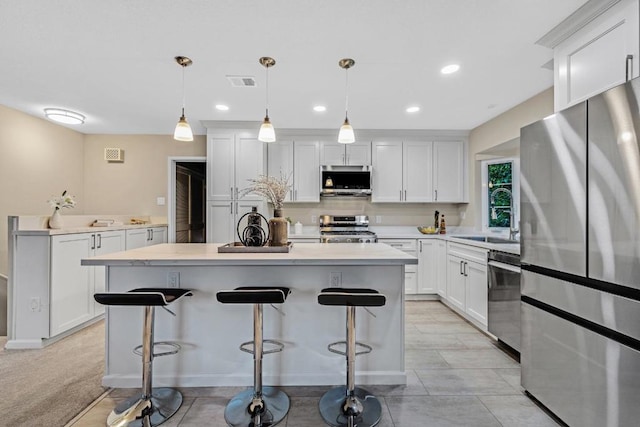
191 183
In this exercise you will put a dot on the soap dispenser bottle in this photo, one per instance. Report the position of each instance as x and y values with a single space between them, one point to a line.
443 226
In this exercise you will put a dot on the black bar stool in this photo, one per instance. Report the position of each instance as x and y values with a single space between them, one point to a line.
155 405
260 406
350 406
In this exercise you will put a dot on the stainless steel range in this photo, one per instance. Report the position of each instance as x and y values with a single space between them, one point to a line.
346 229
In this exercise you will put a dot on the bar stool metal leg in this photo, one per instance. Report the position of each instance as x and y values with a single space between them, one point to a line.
350 406
257 407
154 405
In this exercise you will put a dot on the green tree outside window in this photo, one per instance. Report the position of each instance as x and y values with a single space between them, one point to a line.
499 177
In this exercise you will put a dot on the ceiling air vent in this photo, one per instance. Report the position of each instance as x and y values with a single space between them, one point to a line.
242 81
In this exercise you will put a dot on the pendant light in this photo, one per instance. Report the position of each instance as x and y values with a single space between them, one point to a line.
183 130
267 133
346 135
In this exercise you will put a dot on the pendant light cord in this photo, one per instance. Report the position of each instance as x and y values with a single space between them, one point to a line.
346 90
267 93
183 93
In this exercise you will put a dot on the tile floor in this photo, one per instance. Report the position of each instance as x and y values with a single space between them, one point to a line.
456 377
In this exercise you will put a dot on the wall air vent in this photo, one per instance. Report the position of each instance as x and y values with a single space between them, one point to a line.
242 81
114 154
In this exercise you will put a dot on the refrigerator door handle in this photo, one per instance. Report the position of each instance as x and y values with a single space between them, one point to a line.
629 67
504 266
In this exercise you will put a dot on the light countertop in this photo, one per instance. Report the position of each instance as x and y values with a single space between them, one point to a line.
75 230
203 254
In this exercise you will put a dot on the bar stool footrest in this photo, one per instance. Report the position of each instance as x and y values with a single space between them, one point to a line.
366 348
176 348
249 347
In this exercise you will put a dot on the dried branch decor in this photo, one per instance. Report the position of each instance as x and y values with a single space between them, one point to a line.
274 189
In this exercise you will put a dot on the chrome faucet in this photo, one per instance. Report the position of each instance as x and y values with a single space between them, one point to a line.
513 232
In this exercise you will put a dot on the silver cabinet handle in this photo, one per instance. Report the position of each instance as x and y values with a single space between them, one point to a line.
405 195
99 241
231 192
465 269
400 195
231 206
93 241
461 268
236 208
436 194
151 234
291 194
629 67
295 194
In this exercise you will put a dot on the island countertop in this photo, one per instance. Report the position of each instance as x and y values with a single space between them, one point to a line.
206 254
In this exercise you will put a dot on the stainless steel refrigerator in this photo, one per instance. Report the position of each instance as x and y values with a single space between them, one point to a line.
580 254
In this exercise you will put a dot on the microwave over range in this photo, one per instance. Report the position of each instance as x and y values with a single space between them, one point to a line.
341 180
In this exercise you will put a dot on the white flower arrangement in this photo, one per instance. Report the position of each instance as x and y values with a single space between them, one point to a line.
63 201
274 189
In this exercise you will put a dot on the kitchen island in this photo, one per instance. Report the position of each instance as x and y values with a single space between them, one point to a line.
210 332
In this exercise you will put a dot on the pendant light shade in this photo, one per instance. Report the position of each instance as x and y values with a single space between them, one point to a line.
267 133
346 134
183 130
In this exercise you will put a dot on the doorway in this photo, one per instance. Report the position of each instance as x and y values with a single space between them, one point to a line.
187 196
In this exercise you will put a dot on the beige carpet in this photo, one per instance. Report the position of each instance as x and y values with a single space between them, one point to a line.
50 386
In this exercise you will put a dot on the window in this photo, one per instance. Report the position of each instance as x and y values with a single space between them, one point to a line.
501 195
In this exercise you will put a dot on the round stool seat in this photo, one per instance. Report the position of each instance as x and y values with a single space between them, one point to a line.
254 295
142 296
351 297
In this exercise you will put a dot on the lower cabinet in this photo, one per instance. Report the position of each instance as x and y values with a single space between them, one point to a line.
428 266
410 271
467 282
441 272
73 285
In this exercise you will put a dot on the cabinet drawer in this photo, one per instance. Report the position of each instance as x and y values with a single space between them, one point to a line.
405 245
470 253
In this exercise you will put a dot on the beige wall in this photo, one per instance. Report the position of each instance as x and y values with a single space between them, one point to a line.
38 160
497 131
131 187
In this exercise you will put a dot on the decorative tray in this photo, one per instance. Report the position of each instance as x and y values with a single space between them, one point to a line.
237 247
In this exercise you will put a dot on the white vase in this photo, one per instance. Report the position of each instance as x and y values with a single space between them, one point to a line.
55 221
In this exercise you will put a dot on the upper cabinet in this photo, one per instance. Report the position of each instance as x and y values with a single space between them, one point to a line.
233 159
594 50
299 160
418 171
334 153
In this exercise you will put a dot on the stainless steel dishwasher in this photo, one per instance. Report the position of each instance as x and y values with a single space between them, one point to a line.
504 297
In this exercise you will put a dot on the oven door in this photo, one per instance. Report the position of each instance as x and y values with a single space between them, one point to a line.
504 303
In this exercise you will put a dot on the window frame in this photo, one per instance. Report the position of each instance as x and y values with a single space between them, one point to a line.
515 191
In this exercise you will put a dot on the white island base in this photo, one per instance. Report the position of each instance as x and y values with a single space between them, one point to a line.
210 332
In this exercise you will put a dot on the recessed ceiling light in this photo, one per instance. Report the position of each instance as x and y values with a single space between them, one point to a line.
64 116
320 108
451 68
221 107
412 109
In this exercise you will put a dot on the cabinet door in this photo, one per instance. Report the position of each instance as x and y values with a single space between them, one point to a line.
249 164
594 58
280 162
387 172
456 282
427 266
71 298
106 243
220 167
220 222
410 279
358 153
448 171
477 291
417 180
137 238
306 180
157 235
441 271
333 153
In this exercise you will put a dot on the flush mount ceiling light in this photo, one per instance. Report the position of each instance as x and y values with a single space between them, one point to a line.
449 69
183 130
267 133
221 107
412 109
346 135
64 116
320 108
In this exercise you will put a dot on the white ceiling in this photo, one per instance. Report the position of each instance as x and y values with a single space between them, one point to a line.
113 60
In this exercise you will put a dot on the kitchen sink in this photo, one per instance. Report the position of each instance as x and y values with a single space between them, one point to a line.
488 239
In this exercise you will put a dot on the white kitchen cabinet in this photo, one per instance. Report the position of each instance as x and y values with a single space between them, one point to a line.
428 266
467 289
233 159
72 285
225 216
300 160
441 272
140 237
449 171
598 55
357 153
408 246
419 171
